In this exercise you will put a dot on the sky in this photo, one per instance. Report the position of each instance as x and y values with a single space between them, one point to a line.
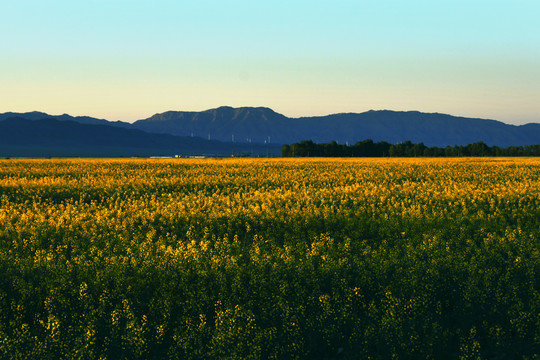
129 59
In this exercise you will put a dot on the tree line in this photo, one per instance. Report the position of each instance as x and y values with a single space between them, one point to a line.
369 148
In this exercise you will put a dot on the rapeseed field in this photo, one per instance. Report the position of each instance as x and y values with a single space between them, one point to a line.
270 258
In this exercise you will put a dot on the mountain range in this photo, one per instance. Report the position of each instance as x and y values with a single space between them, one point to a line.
51 137
246 130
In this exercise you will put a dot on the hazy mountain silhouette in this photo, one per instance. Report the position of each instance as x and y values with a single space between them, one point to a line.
51 137
225 123
36 115
262 125
258 124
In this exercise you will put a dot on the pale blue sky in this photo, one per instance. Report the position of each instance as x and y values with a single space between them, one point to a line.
126 60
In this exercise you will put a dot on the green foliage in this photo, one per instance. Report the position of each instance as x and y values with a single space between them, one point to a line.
270 259
368 148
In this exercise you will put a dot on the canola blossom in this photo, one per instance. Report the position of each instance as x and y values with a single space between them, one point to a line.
270 258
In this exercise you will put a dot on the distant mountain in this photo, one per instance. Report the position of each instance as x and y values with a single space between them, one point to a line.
432 129
52 137
36 115
262 125
225 123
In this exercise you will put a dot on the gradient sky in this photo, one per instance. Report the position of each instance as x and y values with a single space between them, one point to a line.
126 60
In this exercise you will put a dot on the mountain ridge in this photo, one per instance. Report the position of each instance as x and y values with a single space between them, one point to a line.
264 125
52 137
433 129
38 115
